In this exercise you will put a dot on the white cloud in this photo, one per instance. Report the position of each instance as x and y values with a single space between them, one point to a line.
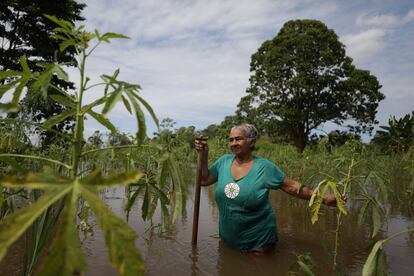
365 44
192 57
385 20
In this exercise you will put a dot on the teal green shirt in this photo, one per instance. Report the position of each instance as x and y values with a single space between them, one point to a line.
246 220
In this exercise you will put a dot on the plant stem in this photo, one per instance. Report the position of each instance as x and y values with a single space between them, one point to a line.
339 215
78 132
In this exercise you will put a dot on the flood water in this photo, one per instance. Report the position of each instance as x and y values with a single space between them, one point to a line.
173 254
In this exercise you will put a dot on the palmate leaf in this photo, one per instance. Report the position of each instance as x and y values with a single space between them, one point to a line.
65 256
119 237
14 225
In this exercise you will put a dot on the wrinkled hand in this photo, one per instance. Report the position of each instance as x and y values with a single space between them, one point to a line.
330 200
200 144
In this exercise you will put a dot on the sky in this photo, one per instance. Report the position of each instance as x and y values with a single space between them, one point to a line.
192 57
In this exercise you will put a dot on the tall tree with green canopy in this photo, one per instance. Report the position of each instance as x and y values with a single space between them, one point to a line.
25 31
303 78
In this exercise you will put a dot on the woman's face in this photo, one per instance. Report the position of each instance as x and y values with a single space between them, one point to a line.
238 142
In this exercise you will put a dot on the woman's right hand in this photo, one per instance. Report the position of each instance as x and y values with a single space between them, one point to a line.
200 144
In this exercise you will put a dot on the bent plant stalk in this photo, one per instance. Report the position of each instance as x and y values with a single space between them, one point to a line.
347 183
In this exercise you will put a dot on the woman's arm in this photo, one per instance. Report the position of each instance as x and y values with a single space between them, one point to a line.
201 147
294 188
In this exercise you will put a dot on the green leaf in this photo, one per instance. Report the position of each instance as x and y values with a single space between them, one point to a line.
106 36
9 73
113 180
305 268
15 224
316 200
127 104
23 64
12 163
65 254
178 187
63 23
119 237
97 102
40 181
145 204
111 101
6 87
149 108
376 220
19 89
58 118
142 128
363 212
339 201
103 121
370 264
64 100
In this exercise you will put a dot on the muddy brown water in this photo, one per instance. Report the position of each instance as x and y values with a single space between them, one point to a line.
173 254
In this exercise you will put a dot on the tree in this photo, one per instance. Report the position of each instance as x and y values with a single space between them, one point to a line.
96 139
398 136
25 31
302 78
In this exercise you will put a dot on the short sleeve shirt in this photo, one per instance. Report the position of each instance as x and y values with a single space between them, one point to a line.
246 218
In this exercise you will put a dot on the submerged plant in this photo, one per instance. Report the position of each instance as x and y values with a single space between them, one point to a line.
64 182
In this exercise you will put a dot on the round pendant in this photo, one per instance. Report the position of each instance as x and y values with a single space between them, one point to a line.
231 190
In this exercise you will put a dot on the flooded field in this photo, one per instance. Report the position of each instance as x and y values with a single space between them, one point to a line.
173 254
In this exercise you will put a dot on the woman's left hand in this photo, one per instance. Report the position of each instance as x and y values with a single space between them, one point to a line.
329 200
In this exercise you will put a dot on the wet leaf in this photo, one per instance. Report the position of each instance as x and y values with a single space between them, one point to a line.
119 237
376 221
15 224
370 264
363 212
145 204
305 268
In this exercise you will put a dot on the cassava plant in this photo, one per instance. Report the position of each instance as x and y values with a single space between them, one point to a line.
63 180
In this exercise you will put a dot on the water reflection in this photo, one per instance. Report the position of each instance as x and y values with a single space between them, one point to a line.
173 254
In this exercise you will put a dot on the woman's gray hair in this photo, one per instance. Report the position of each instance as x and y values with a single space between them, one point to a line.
249 130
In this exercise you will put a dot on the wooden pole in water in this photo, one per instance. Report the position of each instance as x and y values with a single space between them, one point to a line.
196 209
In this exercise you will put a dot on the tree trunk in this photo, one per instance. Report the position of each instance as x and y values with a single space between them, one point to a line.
300 139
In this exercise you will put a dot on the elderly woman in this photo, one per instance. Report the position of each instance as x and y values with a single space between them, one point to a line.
247 221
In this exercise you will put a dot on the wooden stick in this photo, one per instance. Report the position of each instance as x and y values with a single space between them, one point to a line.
196 209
